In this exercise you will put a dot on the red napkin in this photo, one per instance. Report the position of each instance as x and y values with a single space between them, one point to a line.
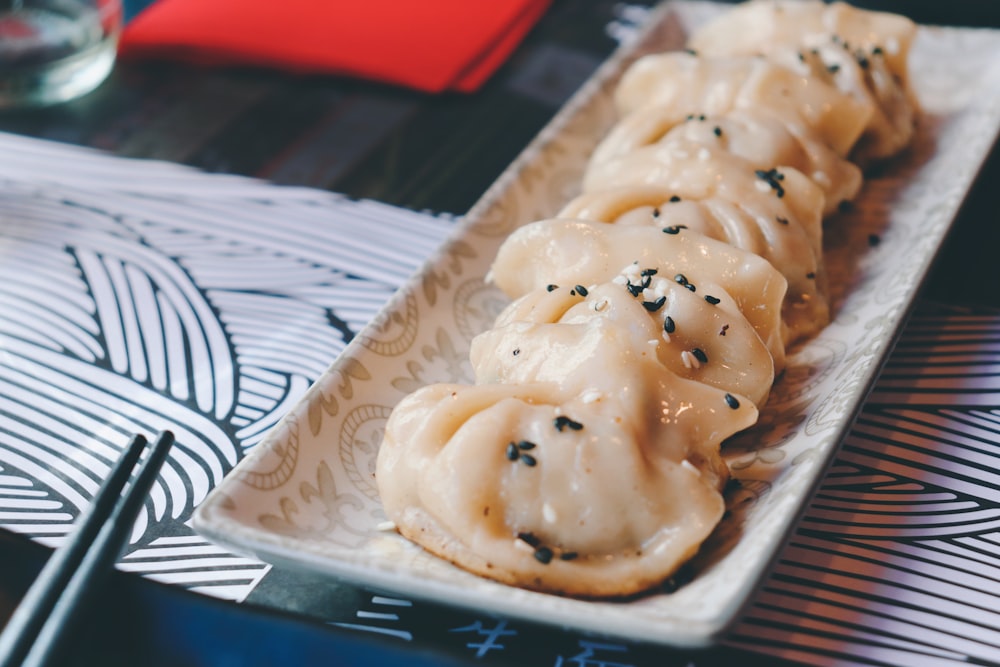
430 45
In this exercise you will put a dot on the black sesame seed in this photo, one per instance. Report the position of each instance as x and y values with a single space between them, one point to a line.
674 199
674 229
656 213
691 52
634 290
700 355
680 279
717 131
525 445
528 460
516 351
690 116
782 221
833 69
772 177
732 401
877 51
862 61
701 117
568 555
690 287
649 272
561 422
512 452
543 555
802 57
724 329
811 275
711 299
653 306
668 325
581 290
551 287
529 538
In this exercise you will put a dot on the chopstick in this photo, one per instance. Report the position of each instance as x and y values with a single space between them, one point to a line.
38 629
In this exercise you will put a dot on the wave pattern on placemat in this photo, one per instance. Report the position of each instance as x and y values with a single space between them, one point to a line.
897 560
140 296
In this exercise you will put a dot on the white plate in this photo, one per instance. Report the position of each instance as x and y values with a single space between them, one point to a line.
305 497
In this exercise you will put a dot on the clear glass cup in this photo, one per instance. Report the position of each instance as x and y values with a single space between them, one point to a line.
55 50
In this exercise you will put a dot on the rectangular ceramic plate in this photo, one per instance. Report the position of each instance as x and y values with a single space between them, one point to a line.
305 497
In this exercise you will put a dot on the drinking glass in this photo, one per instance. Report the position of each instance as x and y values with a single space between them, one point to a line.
55 50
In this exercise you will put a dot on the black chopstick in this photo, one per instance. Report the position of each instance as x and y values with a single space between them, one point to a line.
36 632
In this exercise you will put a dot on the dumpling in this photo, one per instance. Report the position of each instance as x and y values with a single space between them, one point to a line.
757 26
701 339
691 84
595 471
760 139
861 53
578 252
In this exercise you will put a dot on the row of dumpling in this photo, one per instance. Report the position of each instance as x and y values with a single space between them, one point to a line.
649 319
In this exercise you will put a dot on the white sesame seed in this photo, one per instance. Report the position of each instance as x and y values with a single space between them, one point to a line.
763 186
591 396
549 514
385 526
690 466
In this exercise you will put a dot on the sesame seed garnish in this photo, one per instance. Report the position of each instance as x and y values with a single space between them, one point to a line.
550 288
561 422
656 213
668 325
634 290
529 538
569 555
674 199
811 275
385 526
833 69
680 279
543 555
689 361
653 306
700 355
690 287
772 177
722 331
717 131
529 460
782 221
691 52
516 351
877 51
732 401
648 272
512 452
525 445
674 229
581 290
712 299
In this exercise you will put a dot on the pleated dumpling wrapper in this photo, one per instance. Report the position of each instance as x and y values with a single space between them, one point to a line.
579 463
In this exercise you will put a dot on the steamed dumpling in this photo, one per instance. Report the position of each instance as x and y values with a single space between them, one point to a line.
589 468
690 84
